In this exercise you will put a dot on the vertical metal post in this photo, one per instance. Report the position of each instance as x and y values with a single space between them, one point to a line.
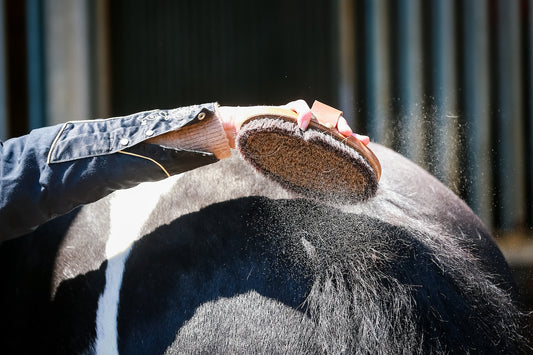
67 60
409 79
378 85
36 75
529 110
443 72
509 115
3 100
347 61
475 107
100 73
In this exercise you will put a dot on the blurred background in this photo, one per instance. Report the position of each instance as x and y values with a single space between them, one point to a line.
447 83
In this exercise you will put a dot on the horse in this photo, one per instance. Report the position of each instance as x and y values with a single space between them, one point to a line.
223 260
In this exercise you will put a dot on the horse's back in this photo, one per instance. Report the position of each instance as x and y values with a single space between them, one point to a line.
222 260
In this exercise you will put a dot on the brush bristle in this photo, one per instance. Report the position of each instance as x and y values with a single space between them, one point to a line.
312 162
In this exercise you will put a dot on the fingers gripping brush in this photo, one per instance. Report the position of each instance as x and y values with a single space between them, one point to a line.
318 162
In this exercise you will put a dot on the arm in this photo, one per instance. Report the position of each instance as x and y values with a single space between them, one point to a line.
56 169
52 170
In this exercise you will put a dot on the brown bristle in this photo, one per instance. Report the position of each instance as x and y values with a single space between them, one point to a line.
312 162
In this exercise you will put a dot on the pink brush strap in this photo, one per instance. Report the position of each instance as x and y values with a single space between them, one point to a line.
326 115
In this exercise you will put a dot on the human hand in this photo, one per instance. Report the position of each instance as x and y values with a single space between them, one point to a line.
305 115
232 118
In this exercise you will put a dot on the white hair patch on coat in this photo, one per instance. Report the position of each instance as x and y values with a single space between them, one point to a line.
130 210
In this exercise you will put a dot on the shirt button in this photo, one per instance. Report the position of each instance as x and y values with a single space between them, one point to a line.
201 116
149 133
124 141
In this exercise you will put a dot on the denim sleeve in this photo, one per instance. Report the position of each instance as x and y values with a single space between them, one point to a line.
55 169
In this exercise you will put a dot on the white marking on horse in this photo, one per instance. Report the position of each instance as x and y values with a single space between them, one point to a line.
129 211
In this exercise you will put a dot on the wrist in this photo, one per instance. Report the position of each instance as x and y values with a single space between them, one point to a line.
226 116
207 135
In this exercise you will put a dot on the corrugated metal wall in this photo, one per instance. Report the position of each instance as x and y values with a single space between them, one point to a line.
448 84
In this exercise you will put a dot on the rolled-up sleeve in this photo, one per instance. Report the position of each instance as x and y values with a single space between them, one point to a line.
52 170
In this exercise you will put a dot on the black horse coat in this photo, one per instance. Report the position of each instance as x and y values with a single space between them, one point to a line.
221 260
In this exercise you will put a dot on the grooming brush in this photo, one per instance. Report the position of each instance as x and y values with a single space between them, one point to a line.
319 162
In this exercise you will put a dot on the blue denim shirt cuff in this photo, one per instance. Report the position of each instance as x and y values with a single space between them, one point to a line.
83 139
